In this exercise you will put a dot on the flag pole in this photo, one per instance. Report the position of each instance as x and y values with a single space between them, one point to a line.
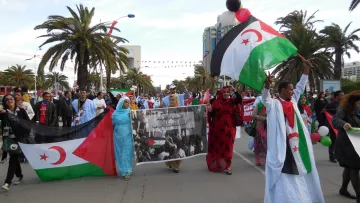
305 61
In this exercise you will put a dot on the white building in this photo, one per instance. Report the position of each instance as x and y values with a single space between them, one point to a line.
352 71
134 56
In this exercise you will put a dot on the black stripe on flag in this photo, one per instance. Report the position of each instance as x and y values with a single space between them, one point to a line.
223 45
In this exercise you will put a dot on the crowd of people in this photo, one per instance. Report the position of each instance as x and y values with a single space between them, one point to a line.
284 123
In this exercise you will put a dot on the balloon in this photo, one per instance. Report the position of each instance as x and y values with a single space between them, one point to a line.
323 131
242 14
233 5
326 141
227 18
315 137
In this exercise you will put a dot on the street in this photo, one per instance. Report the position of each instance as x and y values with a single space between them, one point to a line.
154 183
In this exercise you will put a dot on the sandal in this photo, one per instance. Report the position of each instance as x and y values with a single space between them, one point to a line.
228 171
127 178
176 170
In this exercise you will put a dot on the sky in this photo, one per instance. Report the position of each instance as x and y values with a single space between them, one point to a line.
166 30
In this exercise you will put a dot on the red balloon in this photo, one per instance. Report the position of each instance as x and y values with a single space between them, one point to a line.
315 137
242 14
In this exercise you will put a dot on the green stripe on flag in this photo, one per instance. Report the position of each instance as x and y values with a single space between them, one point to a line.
69 172
303 147
263 57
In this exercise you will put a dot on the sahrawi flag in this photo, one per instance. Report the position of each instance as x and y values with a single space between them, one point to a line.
66 153
247 50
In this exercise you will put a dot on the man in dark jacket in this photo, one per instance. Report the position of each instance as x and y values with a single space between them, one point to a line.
45 111
331 108
66 109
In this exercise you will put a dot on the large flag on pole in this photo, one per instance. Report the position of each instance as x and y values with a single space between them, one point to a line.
247 50
66 153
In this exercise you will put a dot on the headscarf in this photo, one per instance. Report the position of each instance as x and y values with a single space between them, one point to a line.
220 101
177 103
121 115
305 106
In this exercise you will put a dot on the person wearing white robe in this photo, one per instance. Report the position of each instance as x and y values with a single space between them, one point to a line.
281 187
87 110
181 97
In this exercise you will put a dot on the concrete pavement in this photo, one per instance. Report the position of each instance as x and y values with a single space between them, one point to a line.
153 183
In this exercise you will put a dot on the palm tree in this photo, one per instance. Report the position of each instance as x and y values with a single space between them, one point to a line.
296 19
138 78
19 75
311 46
52 77
77 41
354 4
341 43
94 80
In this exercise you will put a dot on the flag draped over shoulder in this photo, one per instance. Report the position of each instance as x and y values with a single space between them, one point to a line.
247 50
64 153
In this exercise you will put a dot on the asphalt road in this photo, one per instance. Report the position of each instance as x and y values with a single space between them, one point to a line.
153 183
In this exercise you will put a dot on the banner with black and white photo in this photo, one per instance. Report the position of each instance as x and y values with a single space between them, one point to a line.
166 134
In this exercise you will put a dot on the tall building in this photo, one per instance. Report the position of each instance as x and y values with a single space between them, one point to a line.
134 56
352 71
212 35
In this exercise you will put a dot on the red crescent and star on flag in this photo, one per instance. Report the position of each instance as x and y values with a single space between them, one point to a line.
263 27
62 154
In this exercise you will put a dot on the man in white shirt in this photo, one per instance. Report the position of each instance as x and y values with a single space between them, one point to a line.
100 103
23 104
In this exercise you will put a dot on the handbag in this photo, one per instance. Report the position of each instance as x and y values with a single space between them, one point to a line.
11 146
251 128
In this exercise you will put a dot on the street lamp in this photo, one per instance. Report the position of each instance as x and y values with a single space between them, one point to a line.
34 57
114 23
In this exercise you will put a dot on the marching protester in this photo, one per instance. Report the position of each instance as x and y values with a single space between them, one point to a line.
320 104
222 130
85 109
23 104
291 174
100 103
347 117
123 138
260 140
305 111
174 165
181 97
45 111
13 135
331 109
66 109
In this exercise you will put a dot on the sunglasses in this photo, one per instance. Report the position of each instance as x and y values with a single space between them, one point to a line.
9 99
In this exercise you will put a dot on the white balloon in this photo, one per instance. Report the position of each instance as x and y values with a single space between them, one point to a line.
323 131
227 18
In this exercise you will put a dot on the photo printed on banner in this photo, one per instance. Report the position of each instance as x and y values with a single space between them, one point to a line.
169 133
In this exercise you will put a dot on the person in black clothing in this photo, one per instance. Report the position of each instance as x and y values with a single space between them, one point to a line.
45 111
346 118
66 108
10 107
331 109
320 104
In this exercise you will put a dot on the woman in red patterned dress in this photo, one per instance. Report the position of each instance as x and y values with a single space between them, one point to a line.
222 130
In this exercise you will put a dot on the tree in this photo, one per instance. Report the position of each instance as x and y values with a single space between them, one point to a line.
52 77
354 4
311 46
77 41
295 20
139 79
348 86
341 43
19 75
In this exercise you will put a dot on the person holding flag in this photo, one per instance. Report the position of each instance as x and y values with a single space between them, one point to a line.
346 118
291 174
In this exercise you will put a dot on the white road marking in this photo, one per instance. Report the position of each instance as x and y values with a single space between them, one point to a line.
249 162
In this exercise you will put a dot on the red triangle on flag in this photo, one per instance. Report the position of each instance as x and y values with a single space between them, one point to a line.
98 147
150 142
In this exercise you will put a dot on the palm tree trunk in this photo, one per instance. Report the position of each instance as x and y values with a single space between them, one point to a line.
108 81
337 67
